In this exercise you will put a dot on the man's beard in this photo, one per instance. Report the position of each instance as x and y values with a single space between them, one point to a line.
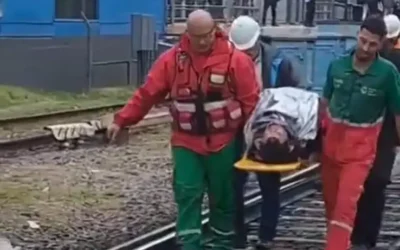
362 56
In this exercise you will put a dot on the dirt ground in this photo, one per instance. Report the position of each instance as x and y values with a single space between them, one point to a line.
88 198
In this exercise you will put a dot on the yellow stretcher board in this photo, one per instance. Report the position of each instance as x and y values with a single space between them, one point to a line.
255 166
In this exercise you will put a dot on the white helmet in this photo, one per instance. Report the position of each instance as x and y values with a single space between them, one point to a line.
392 26
244 32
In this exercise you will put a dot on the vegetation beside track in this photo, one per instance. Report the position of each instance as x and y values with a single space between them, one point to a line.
20 102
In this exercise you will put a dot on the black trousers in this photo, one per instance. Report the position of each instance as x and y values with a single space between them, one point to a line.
310 13
267 4
270 186
372 7
372 202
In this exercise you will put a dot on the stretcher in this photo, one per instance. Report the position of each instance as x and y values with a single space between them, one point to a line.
297 111
247 164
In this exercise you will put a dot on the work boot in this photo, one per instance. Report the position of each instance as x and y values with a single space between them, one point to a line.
264 245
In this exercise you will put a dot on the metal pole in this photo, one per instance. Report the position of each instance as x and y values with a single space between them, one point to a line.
173 10
289 8
229 10
89 48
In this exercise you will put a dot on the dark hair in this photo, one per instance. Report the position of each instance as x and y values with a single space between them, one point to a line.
273 152
375 24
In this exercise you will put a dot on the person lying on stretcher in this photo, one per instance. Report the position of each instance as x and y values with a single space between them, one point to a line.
283 131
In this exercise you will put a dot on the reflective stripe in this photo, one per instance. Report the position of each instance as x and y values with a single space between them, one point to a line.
222 233
185 126
219 123
208 106
185 107
236 113
352 124
188 232
342 225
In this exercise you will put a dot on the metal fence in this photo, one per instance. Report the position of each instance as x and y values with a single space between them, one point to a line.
289 11
143 49
78 64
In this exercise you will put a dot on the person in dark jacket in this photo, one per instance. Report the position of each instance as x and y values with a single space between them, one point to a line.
273 69
310 13
269 4
372 202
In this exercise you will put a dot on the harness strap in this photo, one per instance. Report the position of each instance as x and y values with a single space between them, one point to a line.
208 106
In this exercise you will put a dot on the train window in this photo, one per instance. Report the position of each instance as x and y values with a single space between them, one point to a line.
1 7
71 9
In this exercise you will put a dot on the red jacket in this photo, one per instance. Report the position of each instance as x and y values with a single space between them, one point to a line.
159 84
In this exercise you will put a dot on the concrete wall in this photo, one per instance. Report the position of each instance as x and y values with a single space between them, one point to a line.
36 18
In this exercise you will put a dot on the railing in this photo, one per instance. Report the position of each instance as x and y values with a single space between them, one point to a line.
288 11
143 50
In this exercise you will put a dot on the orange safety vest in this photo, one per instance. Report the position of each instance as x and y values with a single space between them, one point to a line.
204 103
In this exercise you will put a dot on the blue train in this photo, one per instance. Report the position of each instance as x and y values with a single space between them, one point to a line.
62 18
60 44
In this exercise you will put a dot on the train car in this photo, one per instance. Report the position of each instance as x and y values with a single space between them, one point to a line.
60 18
44 43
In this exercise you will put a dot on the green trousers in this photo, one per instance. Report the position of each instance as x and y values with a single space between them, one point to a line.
193 175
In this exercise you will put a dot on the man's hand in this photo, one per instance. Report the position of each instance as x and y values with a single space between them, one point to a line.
112 132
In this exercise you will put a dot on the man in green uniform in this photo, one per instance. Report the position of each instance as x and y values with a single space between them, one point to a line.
372 202
360 88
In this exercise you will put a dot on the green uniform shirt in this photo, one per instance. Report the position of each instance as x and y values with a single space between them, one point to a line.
362 99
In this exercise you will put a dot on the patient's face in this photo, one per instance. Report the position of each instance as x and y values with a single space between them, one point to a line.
276 132
273 133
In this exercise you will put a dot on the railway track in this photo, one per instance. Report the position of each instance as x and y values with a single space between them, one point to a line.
30 128
92 197
58 114
294 187
302 221
155 118
301 226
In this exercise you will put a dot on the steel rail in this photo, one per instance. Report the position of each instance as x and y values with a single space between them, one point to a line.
64 113
28 142
293 187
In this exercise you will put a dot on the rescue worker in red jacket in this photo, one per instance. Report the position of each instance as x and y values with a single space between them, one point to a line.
360 88
214 89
